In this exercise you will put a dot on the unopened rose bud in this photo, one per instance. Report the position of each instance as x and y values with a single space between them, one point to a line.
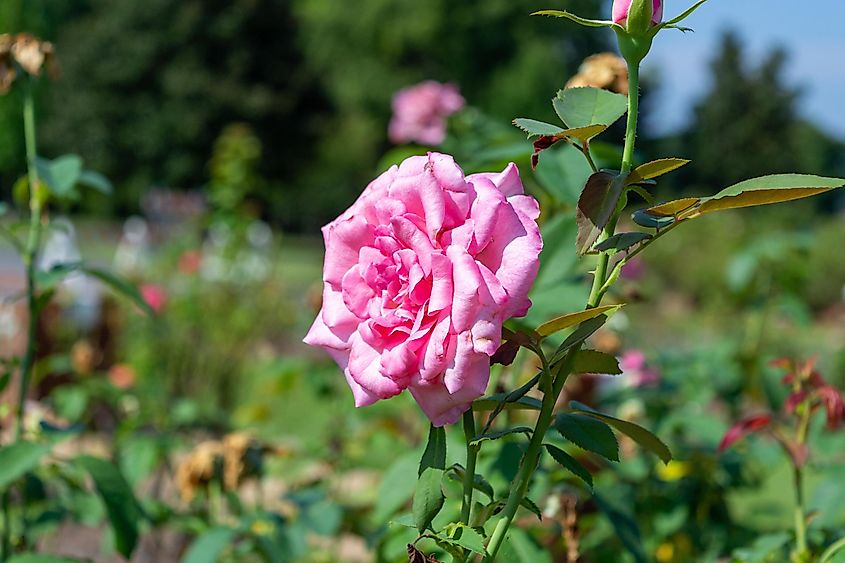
621 9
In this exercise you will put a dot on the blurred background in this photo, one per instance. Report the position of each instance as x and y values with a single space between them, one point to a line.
232 130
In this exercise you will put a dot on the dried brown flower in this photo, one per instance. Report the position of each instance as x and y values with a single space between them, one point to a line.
232 460
28 52
604 70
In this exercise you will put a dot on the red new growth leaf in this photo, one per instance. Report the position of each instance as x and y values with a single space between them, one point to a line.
833 404
743 428
793 401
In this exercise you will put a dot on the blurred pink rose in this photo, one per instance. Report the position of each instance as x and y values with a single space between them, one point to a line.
634 367
419 275
420 112
621 8
155 296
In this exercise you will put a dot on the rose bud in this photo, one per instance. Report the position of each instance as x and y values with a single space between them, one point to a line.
622 9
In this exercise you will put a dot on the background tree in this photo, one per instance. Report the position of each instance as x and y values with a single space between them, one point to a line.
147 87
748 124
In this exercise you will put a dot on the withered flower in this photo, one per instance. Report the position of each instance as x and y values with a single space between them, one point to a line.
604 70
230 461
32 53
7 64
26 51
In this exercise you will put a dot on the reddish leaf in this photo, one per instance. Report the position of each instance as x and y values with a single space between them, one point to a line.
743 428
595 207
417 556
793 401
833 404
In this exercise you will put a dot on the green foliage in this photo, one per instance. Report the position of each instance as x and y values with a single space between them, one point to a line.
570 464
434 454
588 433
572 319
428 498
210 545
597 204
639 434
582 107
19 458
593 361
123 509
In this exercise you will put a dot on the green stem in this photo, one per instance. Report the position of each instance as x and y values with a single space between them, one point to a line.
800 519
30 256
469 475
600 275
834 548
801 551
531 458
633 113
30 262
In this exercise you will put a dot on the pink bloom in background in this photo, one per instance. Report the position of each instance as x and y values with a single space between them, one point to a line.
621 8
155 296
420 112
636 371
418 277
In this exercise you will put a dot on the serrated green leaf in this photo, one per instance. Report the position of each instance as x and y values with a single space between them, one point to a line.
577 19
588 433
210 545
570 464
532 507
769 189
569 320
121 505
593 361
537 128
428 498
596 206
501 434
637 433
18 459
49 278
621 242
435 450
582 107
655 169
463 536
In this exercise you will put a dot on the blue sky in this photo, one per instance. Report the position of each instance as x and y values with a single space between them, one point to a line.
812 32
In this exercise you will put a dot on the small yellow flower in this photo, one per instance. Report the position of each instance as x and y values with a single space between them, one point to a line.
674 470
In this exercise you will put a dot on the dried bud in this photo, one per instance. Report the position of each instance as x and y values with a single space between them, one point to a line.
7 64
32 53
604 70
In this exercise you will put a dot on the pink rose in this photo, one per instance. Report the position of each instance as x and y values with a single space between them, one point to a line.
419 275
633 365
621 8
155 296
420 112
